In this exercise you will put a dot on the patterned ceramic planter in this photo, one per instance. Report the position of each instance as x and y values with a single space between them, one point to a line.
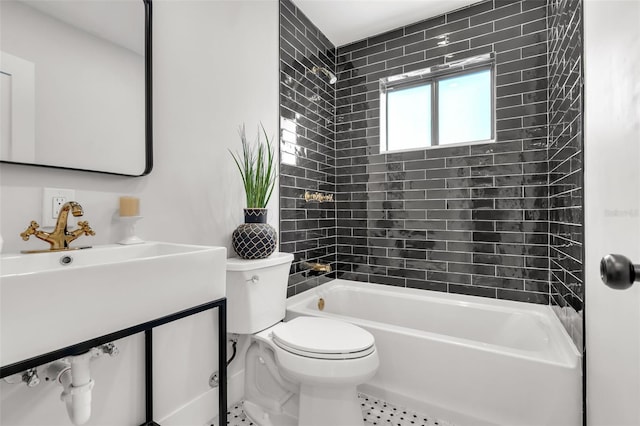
254 239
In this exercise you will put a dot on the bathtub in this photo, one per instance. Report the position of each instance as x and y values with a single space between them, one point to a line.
469 360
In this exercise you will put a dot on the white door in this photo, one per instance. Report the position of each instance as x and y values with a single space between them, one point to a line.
612 207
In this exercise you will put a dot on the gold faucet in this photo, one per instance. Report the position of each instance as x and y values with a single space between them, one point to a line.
60 237
317 267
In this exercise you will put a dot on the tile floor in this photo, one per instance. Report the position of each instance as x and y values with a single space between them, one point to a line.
374 411
378 412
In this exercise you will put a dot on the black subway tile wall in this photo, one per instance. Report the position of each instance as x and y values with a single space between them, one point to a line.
468 219
307 147
501 219
565 164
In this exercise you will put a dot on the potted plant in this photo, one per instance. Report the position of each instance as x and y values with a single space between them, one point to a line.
255 239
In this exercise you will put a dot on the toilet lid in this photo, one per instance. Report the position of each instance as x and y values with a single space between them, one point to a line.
323 338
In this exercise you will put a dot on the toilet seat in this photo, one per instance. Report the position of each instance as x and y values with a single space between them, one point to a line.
323 338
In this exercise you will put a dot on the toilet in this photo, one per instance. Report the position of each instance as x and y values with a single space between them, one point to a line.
301 372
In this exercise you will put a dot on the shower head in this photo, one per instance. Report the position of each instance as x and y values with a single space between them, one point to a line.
331 76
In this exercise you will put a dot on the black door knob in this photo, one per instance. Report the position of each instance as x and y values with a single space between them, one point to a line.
618 272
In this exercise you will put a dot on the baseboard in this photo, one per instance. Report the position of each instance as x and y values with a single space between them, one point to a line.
196 412
235 388
202 409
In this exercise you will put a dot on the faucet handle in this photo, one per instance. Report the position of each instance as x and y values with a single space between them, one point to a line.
85 228
30 377
31 230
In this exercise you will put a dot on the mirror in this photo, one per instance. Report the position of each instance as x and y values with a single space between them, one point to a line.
75 84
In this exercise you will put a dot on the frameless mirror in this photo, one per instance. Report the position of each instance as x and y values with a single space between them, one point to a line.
75 84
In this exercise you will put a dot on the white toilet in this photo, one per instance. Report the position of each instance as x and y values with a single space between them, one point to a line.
301 372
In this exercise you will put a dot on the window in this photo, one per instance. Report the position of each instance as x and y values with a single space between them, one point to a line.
409 117
437 107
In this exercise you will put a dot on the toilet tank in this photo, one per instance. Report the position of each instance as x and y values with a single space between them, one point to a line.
256 292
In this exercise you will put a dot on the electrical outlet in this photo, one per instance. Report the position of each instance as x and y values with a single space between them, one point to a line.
52 201
56 205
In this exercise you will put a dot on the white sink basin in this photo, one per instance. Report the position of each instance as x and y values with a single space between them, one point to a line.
47 304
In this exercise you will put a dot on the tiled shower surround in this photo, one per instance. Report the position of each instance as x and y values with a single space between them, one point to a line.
565 163
471 219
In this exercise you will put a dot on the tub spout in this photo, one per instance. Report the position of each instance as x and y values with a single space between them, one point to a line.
316 267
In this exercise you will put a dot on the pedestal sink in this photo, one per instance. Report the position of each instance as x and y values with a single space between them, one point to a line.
52 300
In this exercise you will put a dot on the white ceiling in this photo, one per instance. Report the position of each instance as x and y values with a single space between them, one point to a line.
346 21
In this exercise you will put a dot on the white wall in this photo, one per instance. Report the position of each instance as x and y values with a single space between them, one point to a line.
215 67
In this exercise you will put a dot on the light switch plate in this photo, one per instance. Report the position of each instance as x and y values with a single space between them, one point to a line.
52 201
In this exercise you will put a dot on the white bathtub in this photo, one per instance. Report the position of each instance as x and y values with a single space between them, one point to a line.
469 360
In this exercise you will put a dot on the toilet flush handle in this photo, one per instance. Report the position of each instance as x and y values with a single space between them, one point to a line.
254 279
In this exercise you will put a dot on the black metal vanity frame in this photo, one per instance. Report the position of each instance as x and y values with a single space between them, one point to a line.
147 327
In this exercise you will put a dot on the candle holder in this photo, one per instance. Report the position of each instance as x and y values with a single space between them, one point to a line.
130 230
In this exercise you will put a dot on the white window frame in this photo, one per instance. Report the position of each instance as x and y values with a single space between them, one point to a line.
432 76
